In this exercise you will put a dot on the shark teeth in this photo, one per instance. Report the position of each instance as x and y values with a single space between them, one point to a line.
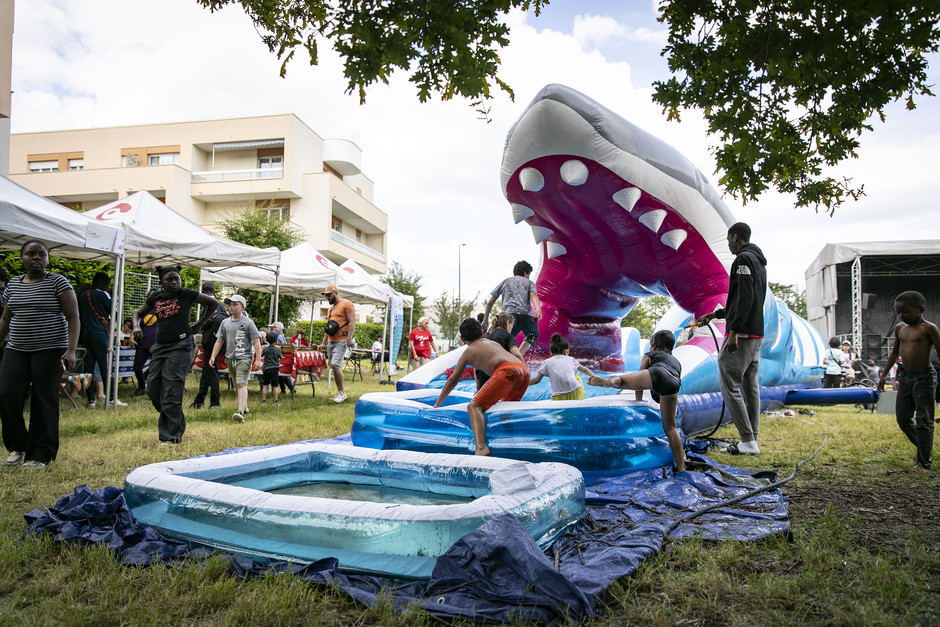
574 172
653 219
554 249
627 198
540 233
531 180
674 238
520 213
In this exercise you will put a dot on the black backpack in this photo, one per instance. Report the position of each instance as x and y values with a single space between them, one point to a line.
211 328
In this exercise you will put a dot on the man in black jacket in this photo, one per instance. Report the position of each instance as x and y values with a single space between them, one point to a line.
209 380
739 359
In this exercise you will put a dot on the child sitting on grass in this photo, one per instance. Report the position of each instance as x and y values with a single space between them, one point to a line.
661 373
271 362
562 372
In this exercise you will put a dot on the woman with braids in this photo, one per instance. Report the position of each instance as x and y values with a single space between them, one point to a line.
40 323
172 354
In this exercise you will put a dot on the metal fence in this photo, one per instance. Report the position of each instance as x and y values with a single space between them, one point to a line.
136 287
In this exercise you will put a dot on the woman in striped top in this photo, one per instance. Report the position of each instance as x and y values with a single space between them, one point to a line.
40 323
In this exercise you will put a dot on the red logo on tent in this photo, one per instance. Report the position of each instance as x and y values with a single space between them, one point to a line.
349 270
114 211
323 262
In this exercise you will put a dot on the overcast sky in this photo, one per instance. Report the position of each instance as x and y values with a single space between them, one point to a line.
436 165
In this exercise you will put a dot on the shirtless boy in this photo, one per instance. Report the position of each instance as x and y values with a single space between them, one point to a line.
508 380
914 338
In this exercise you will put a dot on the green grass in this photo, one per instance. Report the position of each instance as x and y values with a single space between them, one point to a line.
863 549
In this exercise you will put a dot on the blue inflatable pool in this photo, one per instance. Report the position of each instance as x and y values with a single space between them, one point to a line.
390 513
602 435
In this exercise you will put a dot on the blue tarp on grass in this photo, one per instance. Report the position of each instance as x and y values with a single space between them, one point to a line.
497 573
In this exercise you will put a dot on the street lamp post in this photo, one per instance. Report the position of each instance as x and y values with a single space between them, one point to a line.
459 302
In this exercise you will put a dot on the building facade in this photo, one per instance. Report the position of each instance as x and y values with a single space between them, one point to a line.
210 170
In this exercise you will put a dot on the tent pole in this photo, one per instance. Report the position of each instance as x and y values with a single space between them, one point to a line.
277 294
411 319
386 342
114 345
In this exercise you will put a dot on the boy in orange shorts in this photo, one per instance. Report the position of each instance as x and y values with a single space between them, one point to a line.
508 380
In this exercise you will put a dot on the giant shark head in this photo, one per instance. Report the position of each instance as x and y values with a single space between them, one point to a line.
619 214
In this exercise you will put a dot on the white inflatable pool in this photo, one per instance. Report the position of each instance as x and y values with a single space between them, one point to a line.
417 505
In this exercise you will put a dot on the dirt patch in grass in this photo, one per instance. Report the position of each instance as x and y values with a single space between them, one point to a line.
888 510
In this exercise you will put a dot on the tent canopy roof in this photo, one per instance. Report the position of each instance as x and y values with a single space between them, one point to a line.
25 215
833 254
157 235
304 274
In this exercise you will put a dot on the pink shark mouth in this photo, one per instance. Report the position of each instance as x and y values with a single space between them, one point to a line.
621 216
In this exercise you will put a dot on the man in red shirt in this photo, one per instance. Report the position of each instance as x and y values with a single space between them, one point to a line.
343 313
421 343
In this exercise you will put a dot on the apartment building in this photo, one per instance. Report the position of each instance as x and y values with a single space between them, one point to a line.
211 169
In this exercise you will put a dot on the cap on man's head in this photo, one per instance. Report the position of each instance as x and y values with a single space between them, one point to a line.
237 298
329 290
278 325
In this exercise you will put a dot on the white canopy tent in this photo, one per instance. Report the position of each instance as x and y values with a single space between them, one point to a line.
157 235
25 215
305 273
352 279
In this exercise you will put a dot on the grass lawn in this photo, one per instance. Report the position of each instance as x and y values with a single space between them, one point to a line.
863 551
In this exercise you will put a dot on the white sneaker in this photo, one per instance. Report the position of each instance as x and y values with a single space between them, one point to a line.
91 404
237 417
340 397
33 464
15 458
120 403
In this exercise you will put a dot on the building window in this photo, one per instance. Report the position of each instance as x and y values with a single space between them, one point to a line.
275 208
337 224
166 158
358 235
271 163
43 166
76 164
130 161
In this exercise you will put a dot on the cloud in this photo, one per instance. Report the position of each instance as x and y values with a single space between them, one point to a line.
435 165
595 31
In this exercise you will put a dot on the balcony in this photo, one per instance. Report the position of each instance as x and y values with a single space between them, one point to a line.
357 246
253 174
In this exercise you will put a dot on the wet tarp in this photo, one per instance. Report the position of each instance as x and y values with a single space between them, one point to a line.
497 573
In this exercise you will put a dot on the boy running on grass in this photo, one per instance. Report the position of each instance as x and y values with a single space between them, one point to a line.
508 380
914 338
242 342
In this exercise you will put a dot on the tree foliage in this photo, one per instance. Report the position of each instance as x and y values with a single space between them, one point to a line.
449 313
406 282
257 228
788 88
794 297
450 48
646 313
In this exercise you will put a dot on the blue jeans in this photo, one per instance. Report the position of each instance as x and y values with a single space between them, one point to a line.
96 353
166 382
914 409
